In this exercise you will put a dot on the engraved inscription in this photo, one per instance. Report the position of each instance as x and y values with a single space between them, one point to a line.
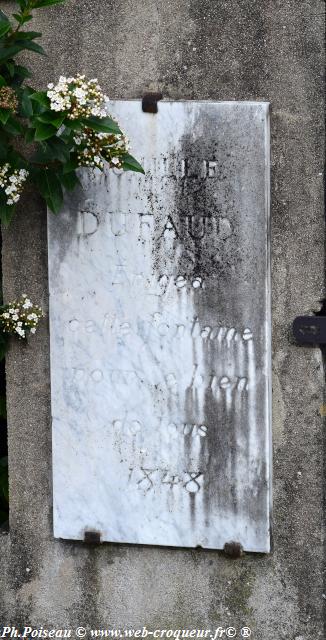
159 334
200 379
147 478
164 325
194 226
131 426
87 223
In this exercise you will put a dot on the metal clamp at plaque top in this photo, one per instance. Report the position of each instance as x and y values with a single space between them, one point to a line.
149 102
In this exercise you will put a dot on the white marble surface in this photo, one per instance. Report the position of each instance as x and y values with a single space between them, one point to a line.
160 345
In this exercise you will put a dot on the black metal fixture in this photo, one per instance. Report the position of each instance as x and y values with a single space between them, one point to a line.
149 102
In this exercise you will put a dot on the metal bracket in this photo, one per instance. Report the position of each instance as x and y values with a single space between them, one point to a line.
92 537
149 102
310 330
233 549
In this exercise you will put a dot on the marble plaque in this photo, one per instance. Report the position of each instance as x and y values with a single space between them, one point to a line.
160 335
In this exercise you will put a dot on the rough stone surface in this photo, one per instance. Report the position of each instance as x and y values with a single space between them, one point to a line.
160 334
242 50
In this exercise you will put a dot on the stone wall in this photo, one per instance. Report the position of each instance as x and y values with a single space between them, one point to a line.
231 49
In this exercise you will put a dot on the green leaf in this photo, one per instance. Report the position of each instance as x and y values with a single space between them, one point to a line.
104 125
38 109
22 4
32 46
22 72
71 165
9 52
2 81
46 3
17 17
13 126
67 136
56 119
54 149
11 68
59 149
16 159
4 28
69 180
6 53
26 105
50 188
41 98
26 35
6 213
29 134
22 19
4 115
129 163
44 131
74 125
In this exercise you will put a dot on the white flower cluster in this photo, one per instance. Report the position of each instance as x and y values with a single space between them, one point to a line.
82 98
12 182
93 148
20 317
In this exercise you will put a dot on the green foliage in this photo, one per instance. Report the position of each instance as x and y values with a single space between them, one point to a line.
59 133
105 125
49 185
48 130
129 163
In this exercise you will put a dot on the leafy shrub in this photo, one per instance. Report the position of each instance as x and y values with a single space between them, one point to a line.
60 129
